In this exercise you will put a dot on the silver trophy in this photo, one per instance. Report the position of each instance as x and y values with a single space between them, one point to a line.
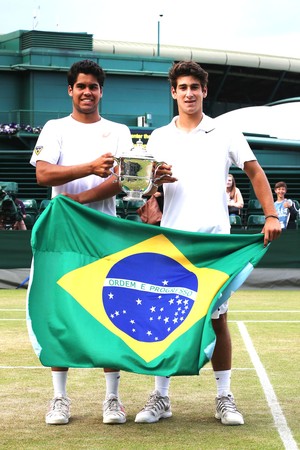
136 172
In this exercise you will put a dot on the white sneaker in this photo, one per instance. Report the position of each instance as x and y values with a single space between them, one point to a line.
59 411
113 410
227 412
157 407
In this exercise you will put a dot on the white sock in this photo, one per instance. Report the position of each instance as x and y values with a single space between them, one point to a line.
112 383
162 385
223 380
59 380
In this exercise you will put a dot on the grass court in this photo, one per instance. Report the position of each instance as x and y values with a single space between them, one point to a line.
264 327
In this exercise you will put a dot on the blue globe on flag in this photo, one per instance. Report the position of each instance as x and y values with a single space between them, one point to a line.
149 295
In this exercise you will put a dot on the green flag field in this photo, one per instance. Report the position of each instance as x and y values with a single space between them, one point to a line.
264 327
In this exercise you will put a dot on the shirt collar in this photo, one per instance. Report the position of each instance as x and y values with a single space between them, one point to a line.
206 124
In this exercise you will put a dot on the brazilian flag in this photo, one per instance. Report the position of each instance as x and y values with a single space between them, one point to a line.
109 292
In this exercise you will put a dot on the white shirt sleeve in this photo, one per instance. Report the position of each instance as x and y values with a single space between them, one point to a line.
48 145
239 150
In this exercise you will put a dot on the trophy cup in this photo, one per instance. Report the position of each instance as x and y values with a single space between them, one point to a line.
136 172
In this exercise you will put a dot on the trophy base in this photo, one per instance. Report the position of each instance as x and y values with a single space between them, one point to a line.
134 195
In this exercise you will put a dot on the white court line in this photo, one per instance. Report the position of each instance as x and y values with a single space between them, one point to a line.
271 311
266 321
12 309
23 367
278 416
94 368
2 320
229 321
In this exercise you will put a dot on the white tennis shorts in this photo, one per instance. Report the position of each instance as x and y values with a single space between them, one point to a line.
221 310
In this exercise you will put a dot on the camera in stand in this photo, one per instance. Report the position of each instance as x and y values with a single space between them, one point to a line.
10 213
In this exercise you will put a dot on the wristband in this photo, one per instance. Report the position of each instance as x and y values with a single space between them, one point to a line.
272 215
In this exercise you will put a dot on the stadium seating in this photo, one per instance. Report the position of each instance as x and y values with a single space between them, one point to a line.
31 210
120 207
30 205
43 205
254 207
133 217
132 205
255 221
30 220
297 204
235 221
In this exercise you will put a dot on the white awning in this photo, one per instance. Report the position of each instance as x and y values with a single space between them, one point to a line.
279 121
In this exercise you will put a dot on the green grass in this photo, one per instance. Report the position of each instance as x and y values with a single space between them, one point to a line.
26 388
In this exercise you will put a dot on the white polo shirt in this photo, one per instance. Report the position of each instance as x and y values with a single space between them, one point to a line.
200 161
67 142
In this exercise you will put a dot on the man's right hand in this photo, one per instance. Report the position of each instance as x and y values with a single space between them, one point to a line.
102 165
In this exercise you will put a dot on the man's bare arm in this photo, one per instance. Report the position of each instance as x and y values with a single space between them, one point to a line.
109 188
48 174
261 186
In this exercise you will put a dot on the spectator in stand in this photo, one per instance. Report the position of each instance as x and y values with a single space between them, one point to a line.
12 212
234 197
286 209
20 224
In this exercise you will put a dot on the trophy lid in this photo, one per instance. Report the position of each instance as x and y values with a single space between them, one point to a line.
138 151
